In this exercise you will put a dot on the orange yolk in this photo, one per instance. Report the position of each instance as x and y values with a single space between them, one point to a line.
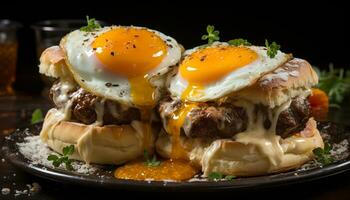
168 170
132 53
174 126
211 64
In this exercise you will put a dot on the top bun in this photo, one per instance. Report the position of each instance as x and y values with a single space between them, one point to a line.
294 78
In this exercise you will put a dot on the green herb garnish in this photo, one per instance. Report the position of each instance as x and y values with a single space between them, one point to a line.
151 162
323 156
272 48
92 25
215 176
58 160
336 83
37 116
239 41
230 177
212 36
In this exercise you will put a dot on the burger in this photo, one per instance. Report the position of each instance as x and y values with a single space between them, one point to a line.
239 109
125 92
108 83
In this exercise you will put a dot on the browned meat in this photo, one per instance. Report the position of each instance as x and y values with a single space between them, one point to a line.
84 104
83 107
226 120
84 110
220 121
294 118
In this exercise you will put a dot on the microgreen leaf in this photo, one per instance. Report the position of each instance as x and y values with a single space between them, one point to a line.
212 34
37 116
92 25
272 48
58 160
239 41
214 176
323 156
153 162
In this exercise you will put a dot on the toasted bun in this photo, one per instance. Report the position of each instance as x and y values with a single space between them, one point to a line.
293 78
52 63
234 158
110 144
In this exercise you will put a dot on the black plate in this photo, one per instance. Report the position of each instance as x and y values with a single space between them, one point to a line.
337 133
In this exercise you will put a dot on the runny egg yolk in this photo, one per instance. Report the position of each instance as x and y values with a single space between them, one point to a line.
177 170
211 64
175 123
132 53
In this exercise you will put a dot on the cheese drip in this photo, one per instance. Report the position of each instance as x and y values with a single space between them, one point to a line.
265 140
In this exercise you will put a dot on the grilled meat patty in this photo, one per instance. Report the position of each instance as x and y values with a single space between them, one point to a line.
84 104
224 120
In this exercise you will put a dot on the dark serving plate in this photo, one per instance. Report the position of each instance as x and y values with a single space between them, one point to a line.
337 133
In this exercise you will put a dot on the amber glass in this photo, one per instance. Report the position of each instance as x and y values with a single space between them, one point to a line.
8 55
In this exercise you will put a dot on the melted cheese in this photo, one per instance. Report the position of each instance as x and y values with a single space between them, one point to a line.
265 139
64 113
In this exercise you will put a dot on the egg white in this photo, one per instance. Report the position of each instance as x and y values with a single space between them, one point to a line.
88 71
235 80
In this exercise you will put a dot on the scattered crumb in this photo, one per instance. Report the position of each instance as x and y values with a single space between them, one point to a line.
5 191
2 160
339 151
34 187
35 150
20 192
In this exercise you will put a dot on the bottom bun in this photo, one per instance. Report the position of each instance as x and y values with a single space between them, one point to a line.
230 157
110 144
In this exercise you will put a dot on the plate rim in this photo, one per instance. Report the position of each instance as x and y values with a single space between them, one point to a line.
272 180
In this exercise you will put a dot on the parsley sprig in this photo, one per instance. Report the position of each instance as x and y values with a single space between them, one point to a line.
58 160
336 83
323 156
151 162
215 176
37 116
212 36
239 41
272 48
92 25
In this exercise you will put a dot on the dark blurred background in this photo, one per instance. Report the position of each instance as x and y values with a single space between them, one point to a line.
317 32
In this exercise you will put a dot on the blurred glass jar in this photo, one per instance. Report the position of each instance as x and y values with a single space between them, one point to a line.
49 33
8 55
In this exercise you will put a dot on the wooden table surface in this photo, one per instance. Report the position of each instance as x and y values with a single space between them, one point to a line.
16 111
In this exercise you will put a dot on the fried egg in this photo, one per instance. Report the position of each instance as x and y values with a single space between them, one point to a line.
126 64
211 72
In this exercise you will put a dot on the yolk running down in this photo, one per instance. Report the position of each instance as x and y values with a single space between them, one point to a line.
174 126
131 53
211 64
